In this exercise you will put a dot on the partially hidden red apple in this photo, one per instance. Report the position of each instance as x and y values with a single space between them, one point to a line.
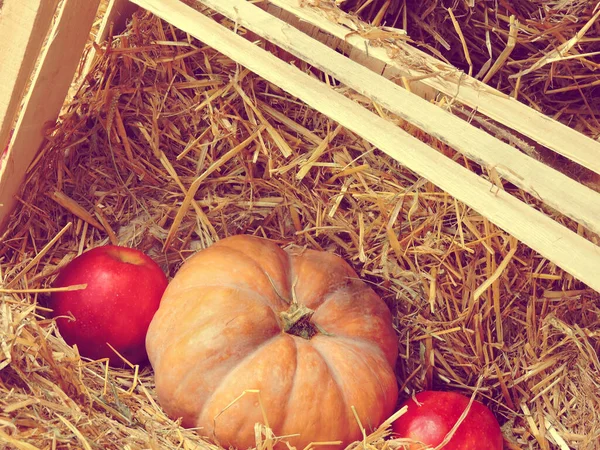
124 290
432 414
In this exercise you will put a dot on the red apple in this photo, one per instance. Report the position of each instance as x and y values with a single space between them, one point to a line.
431 417
124 289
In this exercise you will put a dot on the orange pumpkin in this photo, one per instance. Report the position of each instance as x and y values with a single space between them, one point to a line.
247 330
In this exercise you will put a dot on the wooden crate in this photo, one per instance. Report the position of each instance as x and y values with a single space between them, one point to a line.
52 58
43 76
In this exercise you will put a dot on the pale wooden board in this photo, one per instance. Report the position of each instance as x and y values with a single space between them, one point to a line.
117 14
562 193
49 88
467 90
568 250
24 25
115 18
360 56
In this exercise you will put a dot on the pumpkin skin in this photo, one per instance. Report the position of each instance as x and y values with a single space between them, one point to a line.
221 330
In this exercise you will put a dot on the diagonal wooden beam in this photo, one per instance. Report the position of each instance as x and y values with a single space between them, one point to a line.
571 252
431 73
562 193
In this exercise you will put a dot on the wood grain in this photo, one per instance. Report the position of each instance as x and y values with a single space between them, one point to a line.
46 96
457 85
24 25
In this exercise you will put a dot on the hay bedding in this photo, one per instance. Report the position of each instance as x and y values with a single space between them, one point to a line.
475 311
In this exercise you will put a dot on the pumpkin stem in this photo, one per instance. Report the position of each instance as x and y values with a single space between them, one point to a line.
296 321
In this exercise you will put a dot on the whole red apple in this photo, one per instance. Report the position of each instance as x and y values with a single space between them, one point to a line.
124 289
431 417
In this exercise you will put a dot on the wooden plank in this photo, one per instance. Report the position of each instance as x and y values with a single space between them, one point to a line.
115 18
24 25
465 89
118 12
49 87
557 190
360 56
567 249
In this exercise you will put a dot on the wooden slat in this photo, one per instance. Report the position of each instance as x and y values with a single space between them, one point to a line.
24 25
115 18
49 87
568 250
556 189
465 89
355 54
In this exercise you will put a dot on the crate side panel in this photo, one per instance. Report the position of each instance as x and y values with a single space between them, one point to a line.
47 94
24 25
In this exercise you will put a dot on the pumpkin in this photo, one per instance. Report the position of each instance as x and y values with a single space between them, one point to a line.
247 331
